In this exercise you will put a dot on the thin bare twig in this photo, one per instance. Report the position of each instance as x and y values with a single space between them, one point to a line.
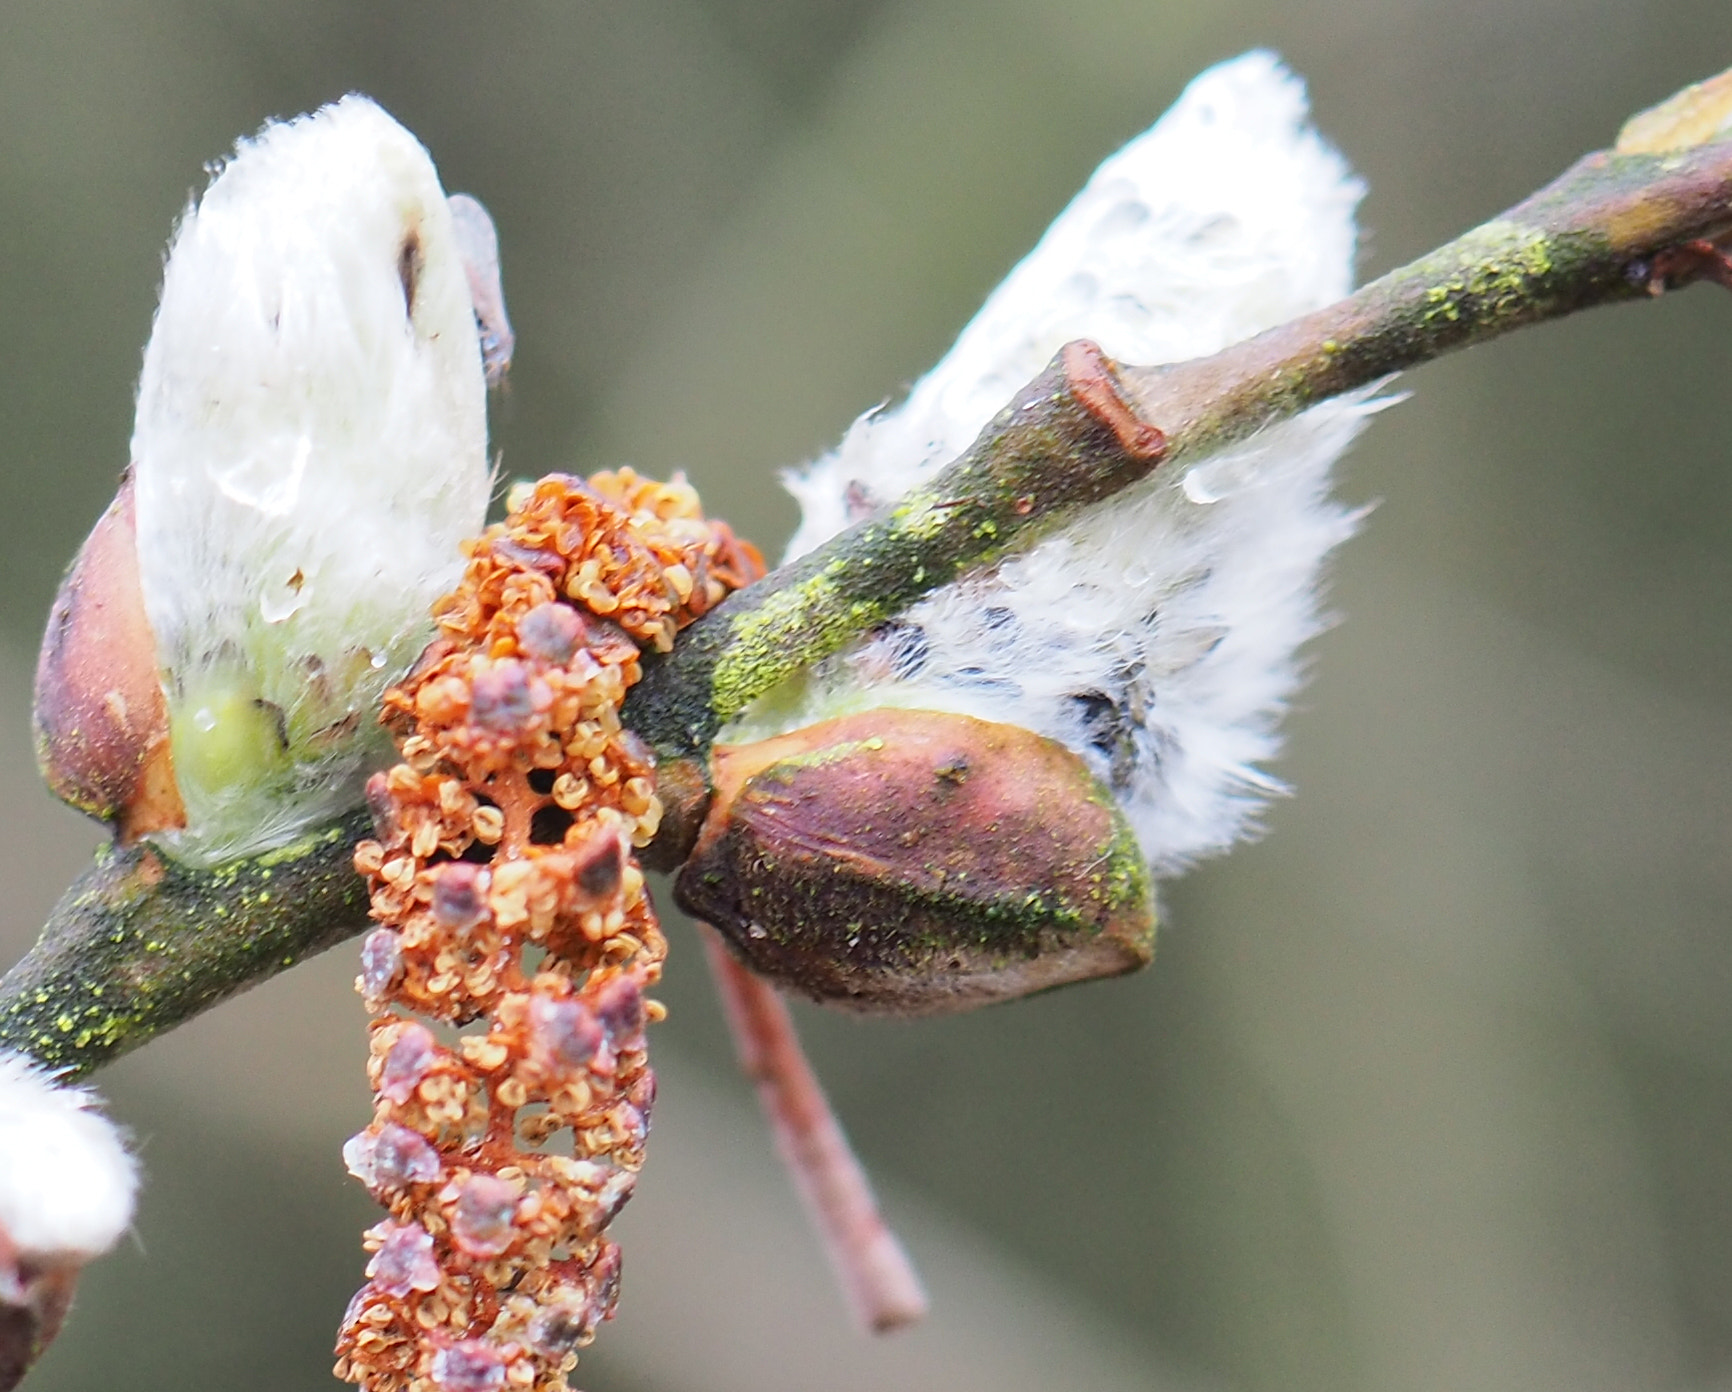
881 1285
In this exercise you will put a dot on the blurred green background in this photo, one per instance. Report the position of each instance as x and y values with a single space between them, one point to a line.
1428 1090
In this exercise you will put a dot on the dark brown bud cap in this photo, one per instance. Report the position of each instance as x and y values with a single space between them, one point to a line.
100 716
917 863
35 1295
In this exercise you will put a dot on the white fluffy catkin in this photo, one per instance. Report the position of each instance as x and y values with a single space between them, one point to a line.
1157 634
310 448
66 1179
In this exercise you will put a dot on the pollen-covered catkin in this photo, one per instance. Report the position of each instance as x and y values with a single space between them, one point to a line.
515 923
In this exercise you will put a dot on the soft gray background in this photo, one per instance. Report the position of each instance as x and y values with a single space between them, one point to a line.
1429 1090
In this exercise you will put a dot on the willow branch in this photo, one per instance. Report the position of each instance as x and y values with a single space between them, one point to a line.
1614 227
139 944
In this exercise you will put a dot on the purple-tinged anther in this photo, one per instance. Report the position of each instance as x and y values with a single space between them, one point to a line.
460 895
618 1004
383 806
563 1033
613 1196
381 962
609 1197
500 698
481 1222
411 1055
565 1321
473 1365
631 1124
404 1262
550 632
391 1158
599 866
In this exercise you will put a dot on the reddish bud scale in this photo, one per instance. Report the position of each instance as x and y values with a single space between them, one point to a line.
917 863
35 1295
509 825
100 715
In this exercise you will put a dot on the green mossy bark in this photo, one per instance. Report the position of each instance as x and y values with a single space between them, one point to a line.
140 942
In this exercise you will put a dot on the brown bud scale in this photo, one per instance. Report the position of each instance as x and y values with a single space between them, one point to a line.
918 862
101 718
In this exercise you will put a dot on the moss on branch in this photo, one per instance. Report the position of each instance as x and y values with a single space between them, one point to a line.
140 943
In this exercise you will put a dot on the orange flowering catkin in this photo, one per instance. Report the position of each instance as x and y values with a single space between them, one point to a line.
515 924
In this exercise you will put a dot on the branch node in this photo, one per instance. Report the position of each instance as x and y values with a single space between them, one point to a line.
1093 380
1678 266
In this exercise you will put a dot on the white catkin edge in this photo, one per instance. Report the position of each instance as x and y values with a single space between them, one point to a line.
1157 635
66 1179
310 448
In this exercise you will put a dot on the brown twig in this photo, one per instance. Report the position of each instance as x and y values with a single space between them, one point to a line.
880 1282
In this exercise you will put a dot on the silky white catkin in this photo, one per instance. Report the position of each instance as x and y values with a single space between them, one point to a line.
66 1179
310 448
1156 635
